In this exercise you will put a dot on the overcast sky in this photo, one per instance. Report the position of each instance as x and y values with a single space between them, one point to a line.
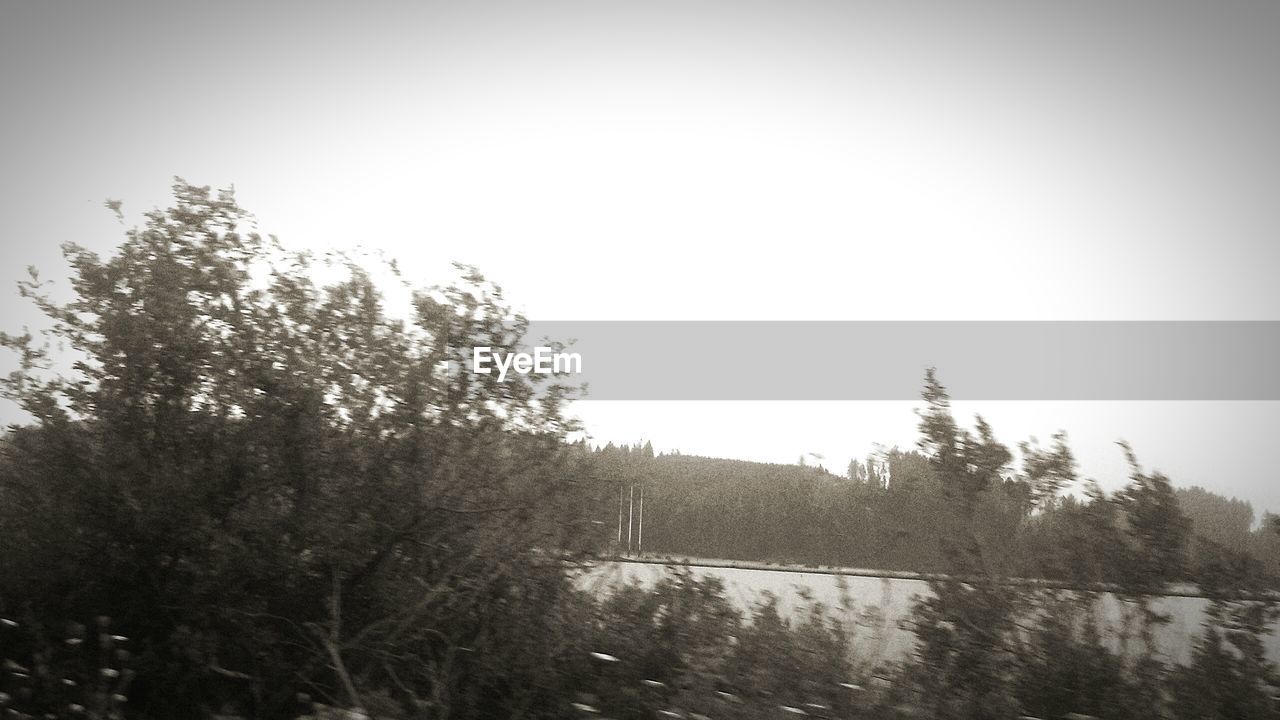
708 160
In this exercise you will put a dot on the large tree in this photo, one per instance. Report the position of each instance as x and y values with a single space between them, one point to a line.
272 484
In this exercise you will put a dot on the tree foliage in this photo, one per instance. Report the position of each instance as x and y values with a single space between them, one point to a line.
271 481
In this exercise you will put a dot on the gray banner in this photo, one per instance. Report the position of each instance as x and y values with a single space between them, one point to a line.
886 360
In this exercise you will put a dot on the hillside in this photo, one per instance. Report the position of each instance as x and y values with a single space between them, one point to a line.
889 513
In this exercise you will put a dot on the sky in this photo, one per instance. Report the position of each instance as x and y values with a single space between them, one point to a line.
707 160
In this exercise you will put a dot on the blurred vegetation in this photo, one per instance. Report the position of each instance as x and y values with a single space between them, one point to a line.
890 512
273 486
257 494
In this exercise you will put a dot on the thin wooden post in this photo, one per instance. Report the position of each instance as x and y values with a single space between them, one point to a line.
631 513
640 530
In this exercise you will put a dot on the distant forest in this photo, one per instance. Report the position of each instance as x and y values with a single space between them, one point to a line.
887 513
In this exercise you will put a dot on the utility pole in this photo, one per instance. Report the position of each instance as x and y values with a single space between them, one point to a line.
640 530
620 492
631 507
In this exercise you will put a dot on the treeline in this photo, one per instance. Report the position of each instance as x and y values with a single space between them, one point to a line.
988 649
888 512
254 495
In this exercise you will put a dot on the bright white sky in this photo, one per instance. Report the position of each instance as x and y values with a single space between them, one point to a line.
708 160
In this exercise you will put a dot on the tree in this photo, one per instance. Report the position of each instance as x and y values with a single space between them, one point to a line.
966 629
1157 531
1230 675
271 484
856 472
1046 471
1226 521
